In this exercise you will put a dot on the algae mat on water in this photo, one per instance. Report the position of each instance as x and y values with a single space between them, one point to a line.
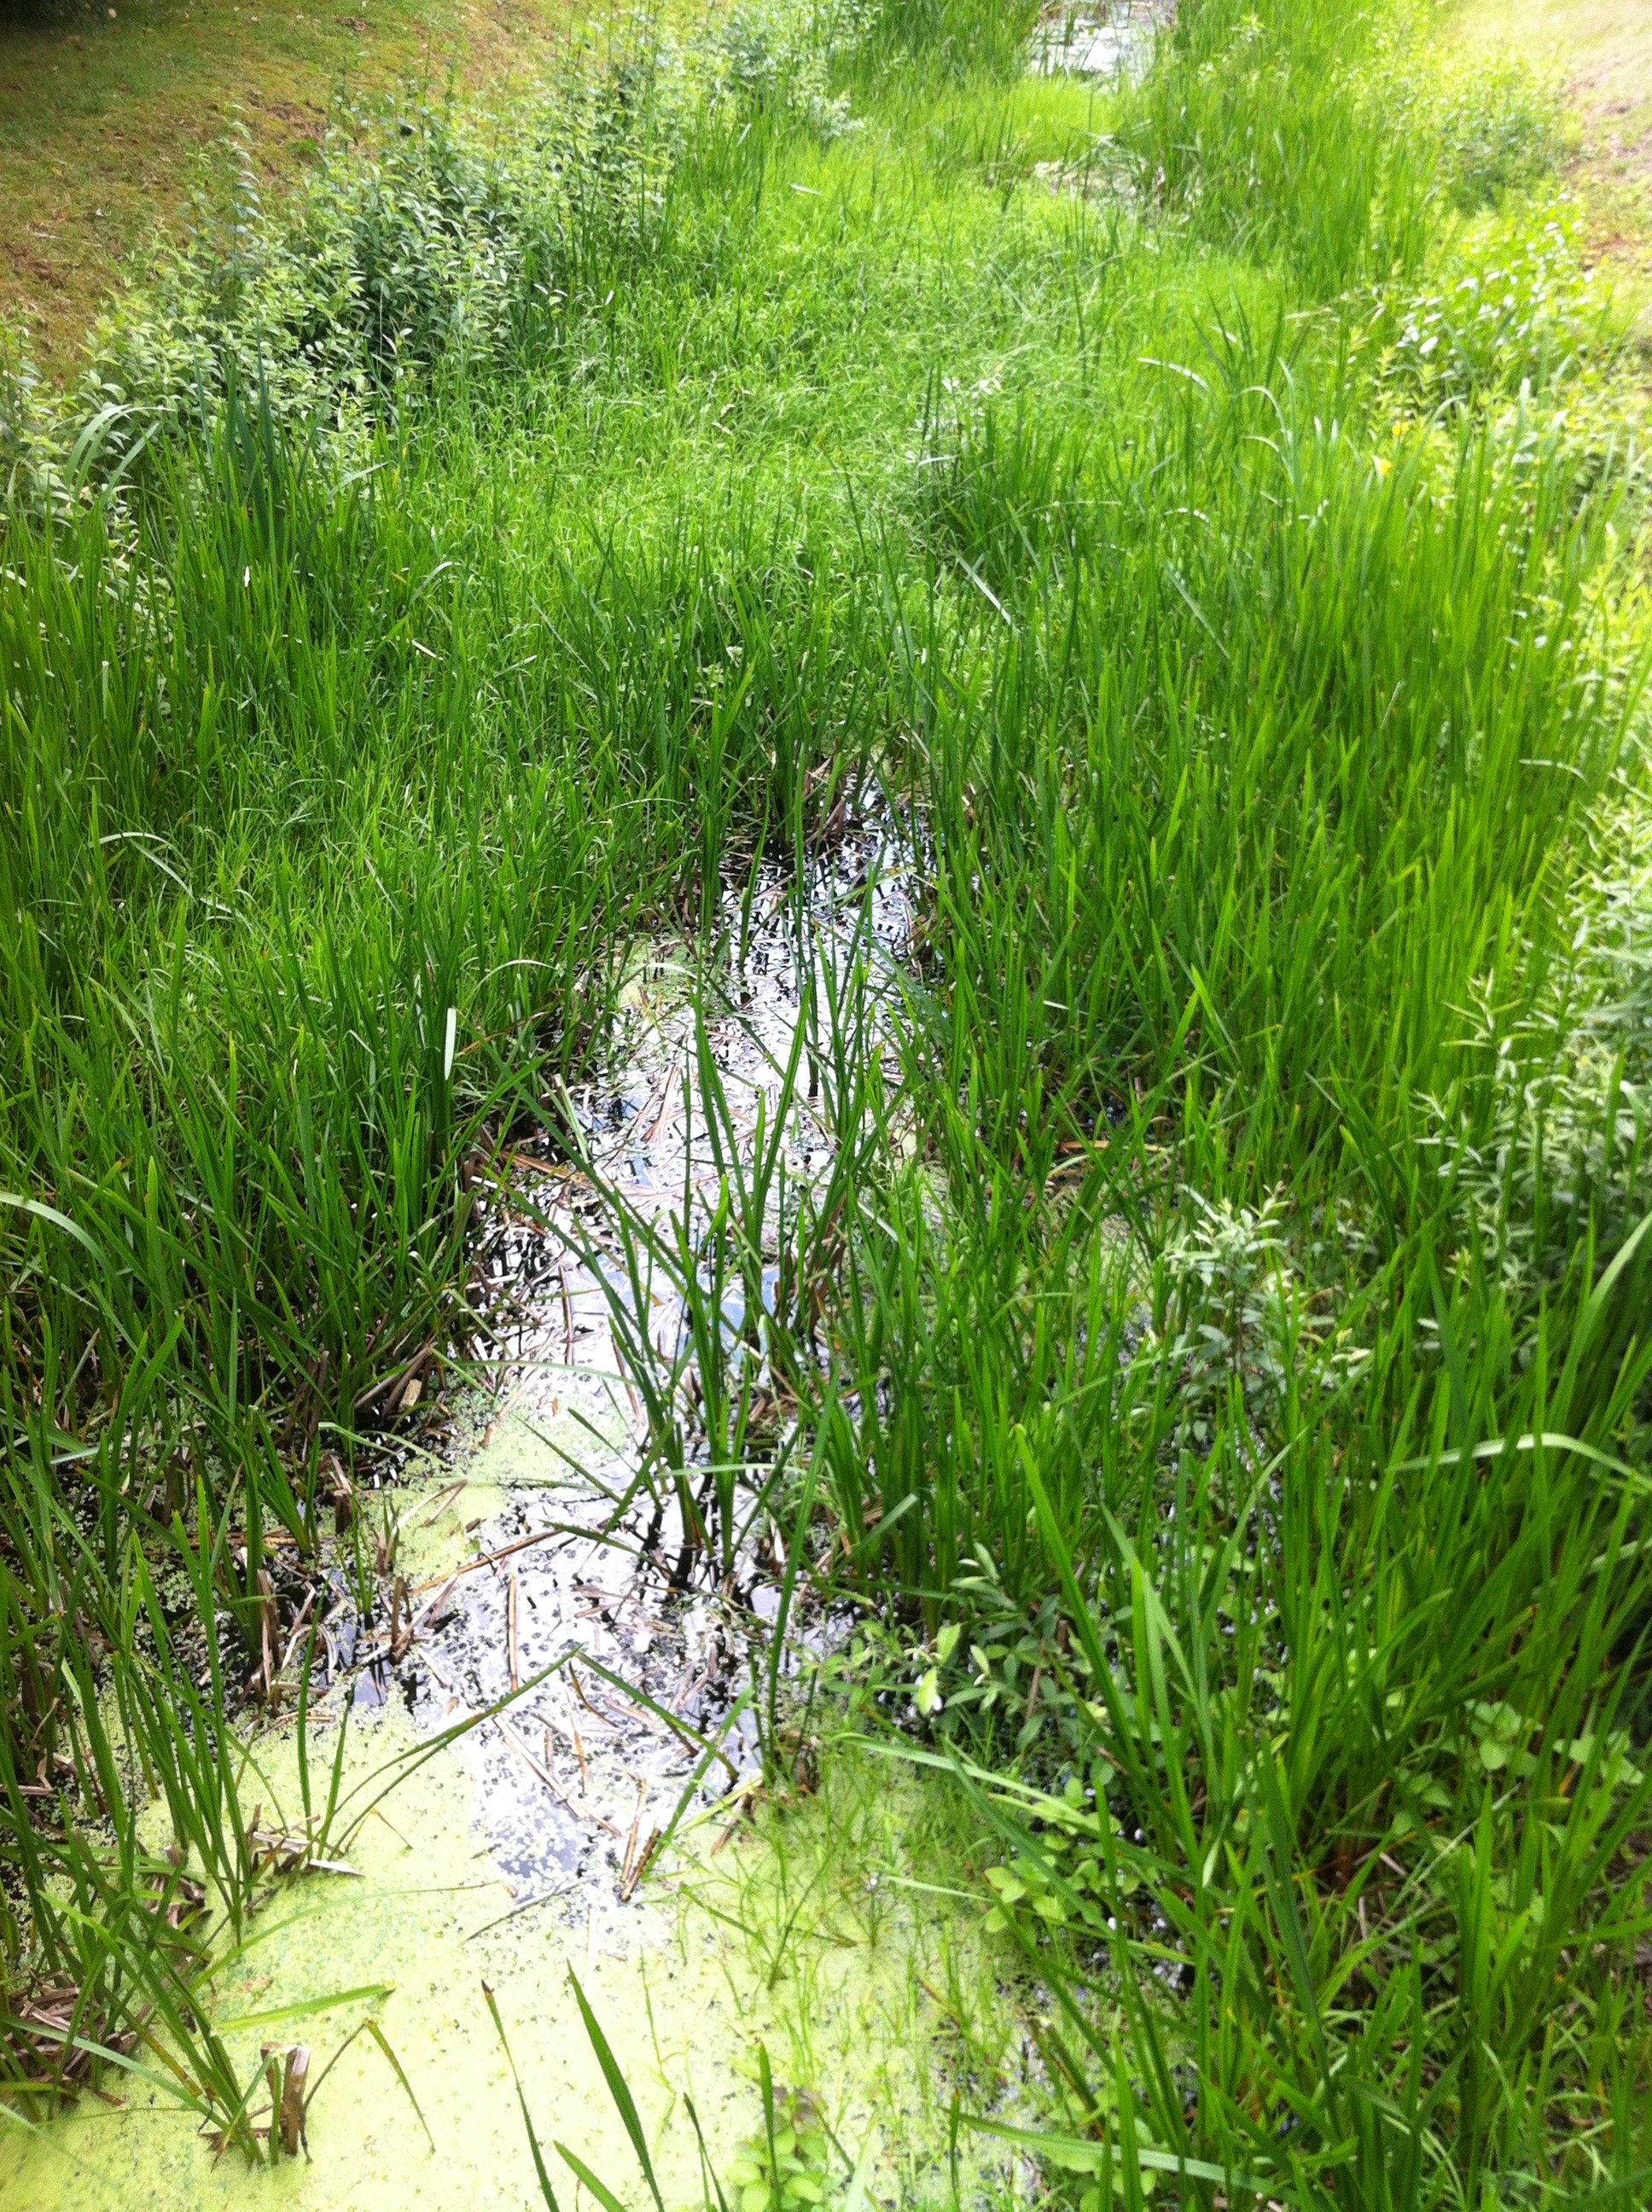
720 1950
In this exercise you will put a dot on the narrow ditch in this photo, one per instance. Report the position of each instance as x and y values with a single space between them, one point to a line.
593 1558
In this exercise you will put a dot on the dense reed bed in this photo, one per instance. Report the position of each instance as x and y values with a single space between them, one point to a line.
1216 1366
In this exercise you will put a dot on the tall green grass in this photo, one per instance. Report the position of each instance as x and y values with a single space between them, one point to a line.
1273 129
1219 1343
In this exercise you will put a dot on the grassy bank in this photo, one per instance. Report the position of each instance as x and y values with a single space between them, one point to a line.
1206 512
1598 60
113 121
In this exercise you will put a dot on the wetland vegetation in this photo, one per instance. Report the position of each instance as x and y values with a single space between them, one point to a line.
978 729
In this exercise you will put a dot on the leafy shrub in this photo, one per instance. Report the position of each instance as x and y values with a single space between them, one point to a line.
1516 330
438 242
777 59
1499 130
442 245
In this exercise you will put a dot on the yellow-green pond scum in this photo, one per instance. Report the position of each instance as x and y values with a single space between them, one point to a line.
785 1930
